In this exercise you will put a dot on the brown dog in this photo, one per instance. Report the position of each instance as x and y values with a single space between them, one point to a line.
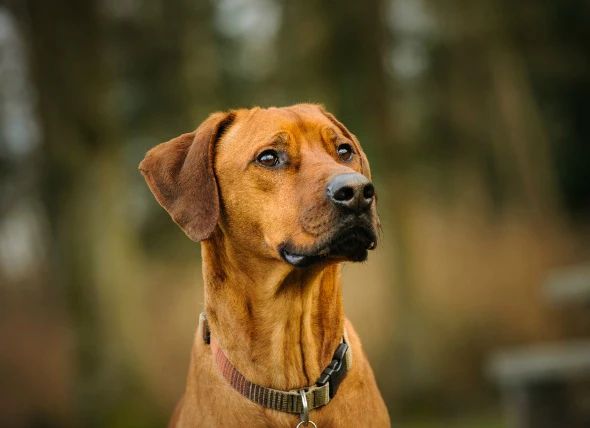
278 198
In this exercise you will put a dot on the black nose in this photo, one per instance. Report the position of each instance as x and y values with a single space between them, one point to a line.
351 191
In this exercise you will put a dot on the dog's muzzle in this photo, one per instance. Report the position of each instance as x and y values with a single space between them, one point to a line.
352 236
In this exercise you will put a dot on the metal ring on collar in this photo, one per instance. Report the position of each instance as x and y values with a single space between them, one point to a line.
302 424
305 414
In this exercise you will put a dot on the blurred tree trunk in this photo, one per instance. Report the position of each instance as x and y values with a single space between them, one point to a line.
487 68
68 85
94 247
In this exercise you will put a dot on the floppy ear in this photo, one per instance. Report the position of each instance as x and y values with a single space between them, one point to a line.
365 169
180 174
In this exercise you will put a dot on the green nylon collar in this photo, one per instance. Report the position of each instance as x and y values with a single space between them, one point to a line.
317 395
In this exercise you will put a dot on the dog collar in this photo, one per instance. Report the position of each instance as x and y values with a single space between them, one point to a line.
295 401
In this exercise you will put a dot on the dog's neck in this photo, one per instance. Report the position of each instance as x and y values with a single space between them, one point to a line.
278 325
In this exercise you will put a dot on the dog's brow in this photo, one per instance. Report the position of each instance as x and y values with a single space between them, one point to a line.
281 137
332 134
278 140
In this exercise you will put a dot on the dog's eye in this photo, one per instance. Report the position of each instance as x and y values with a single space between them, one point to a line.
344 151
268 158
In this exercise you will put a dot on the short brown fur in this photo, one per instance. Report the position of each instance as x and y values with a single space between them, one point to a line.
279 325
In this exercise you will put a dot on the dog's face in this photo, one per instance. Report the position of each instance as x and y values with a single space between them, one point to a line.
287 183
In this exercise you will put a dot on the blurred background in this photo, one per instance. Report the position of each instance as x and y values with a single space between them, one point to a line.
474 311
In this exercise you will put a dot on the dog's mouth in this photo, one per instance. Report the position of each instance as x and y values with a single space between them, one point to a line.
349 243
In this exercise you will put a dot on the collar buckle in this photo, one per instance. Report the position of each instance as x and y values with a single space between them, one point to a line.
336 370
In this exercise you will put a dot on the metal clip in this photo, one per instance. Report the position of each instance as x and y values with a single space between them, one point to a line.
335 372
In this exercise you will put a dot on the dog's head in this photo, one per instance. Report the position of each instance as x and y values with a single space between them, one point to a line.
287 183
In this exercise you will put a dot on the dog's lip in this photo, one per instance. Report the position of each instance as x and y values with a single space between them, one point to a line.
299 260
350 243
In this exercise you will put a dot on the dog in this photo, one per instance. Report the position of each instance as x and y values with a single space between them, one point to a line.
278 198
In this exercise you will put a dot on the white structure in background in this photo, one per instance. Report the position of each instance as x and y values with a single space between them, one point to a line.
21 220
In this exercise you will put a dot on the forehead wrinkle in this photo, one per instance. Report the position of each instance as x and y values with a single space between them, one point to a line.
294 121
314 134
257 127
